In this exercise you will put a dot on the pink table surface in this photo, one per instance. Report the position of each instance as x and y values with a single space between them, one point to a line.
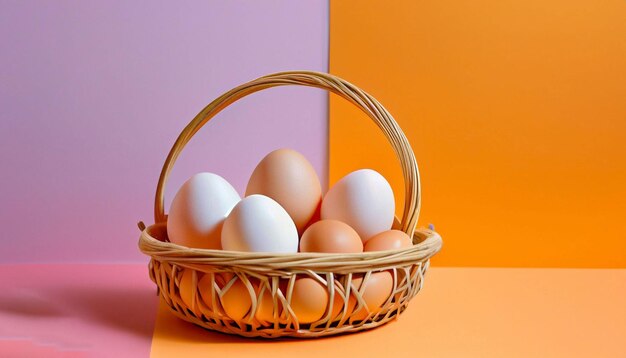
78 310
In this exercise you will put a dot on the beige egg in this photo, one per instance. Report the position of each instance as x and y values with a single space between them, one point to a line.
331 236
388 240
375 293
287 177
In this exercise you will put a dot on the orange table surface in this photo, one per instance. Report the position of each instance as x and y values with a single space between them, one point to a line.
460 312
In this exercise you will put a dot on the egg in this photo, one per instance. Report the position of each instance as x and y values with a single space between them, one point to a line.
316 217
375 293
265 305
339 301
287 177
330 236
362 199
188 293
198 211
236 298
388 240
259 224
206 289
309 300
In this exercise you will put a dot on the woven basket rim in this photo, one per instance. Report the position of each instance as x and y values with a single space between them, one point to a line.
429 243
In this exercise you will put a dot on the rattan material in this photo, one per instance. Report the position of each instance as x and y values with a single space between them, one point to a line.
276 273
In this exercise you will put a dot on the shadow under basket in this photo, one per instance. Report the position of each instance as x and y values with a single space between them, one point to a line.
251 294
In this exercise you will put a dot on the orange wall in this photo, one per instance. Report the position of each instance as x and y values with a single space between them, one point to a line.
516 111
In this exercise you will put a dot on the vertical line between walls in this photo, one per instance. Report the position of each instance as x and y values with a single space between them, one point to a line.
326 180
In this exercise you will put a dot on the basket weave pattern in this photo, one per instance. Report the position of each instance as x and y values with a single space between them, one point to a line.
274 275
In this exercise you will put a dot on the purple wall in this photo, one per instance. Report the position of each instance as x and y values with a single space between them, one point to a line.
93 95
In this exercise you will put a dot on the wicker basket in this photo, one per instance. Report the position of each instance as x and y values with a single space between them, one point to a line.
275 274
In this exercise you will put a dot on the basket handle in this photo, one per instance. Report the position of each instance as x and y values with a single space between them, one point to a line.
336 85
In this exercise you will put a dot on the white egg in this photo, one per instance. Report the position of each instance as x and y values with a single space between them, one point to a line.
258 223
362 199
199 209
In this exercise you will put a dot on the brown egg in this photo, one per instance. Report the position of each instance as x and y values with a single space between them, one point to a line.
315 218
309 300
205 286
187 292
376 292
338 303
287 177
265 304
330 236
281 293
388 240
236 299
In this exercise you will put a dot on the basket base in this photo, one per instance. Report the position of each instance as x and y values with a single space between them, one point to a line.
281 332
